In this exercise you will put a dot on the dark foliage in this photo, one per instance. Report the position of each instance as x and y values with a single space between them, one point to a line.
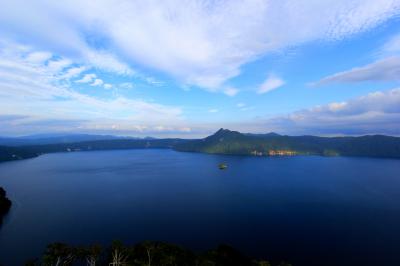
15 153
5 204
147 253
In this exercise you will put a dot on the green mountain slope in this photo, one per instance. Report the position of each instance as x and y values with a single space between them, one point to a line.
225 141
231 142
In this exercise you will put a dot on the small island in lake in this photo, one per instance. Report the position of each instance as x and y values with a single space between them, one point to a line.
222 166
5 204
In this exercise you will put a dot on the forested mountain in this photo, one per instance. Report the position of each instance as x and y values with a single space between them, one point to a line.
225 141
8 153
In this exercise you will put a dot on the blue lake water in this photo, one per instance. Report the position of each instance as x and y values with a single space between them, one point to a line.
306 210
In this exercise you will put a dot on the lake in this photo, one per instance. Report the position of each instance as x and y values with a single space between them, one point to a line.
306 210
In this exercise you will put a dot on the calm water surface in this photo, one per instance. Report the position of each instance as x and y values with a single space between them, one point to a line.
307 210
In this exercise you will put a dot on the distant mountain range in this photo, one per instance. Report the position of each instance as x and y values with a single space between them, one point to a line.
224 141
42 139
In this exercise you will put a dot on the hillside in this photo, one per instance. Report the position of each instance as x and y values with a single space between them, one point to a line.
9 153
225 141
13 153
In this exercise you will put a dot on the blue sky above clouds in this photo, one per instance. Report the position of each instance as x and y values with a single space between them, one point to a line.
187 68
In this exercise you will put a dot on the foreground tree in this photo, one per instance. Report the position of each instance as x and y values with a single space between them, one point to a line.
119 254
149 246
58 254
147 253
89 255
262 263
93 255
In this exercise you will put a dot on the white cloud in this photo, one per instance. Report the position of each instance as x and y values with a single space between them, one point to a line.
57 66
230 91
108 86
374 113
153 81
244 107
38 57
213 110
73 72
108 62
70 110
97 82
387 69
271 83
393 45
200 42
126 85
87 78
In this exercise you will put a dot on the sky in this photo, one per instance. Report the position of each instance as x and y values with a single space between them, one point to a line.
185 68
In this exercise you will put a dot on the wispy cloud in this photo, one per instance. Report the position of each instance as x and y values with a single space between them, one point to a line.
244 107
392 45
387 69
38 57
201 42
377 112
108 62
126 85
87 78
230 91
11 118
73 72
108 86
97 82
43 82
271 83
58 65
64 47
